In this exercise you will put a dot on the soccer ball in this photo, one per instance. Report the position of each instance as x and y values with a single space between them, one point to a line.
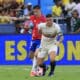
39 71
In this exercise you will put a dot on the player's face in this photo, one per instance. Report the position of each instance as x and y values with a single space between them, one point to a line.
49 21
75 15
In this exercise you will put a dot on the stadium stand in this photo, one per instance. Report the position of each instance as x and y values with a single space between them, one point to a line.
18 11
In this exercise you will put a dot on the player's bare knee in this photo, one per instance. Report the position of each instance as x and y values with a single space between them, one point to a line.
52 56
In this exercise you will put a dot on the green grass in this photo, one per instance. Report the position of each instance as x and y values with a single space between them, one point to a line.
22 73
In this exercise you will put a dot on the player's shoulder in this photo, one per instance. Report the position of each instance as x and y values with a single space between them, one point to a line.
56 25
42 24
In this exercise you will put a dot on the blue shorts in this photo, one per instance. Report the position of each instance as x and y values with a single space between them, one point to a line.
34 45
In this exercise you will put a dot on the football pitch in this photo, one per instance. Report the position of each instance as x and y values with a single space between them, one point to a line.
23 72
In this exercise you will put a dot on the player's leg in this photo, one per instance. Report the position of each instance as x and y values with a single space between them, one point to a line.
34 66
52 63
52 54
32 49
35 48
31 55
40 61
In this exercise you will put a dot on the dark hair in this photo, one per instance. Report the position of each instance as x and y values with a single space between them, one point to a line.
74 12
36 7
48 15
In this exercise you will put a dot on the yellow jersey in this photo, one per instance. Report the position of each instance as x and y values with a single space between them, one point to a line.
65 2
57 11
4 19
20 1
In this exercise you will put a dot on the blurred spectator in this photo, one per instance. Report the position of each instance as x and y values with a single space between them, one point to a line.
56 9
28 9
14 8
6 4
14 4
77 1
10 10
20 1
4 18
77 27
20 10
77 7
74 19
69 8
1 6
11 13
63 9
27 27
19 14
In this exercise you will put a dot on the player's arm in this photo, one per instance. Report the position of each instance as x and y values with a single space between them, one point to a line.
59 33
40 28
60 37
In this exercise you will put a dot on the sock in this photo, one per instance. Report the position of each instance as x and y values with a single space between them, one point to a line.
52 65
44 68
34 66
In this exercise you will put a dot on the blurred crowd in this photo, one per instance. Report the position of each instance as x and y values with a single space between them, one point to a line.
12 11
70 12
10 8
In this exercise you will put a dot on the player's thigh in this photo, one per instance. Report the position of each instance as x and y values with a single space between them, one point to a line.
37 49
53 52
41 56
32 49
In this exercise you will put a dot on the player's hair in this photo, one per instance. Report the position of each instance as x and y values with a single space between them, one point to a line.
36 7
48 15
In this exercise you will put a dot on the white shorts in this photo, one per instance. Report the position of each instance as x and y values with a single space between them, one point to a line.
46 51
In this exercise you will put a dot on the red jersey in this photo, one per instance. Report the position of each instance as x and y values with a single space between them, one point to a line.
36 21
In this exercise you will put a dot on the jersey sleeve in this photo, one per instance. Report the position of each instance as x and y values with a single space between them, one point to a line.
40 26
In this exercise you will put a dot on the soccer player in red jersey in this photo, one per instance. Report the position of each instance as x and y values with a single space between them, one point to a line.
37 18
